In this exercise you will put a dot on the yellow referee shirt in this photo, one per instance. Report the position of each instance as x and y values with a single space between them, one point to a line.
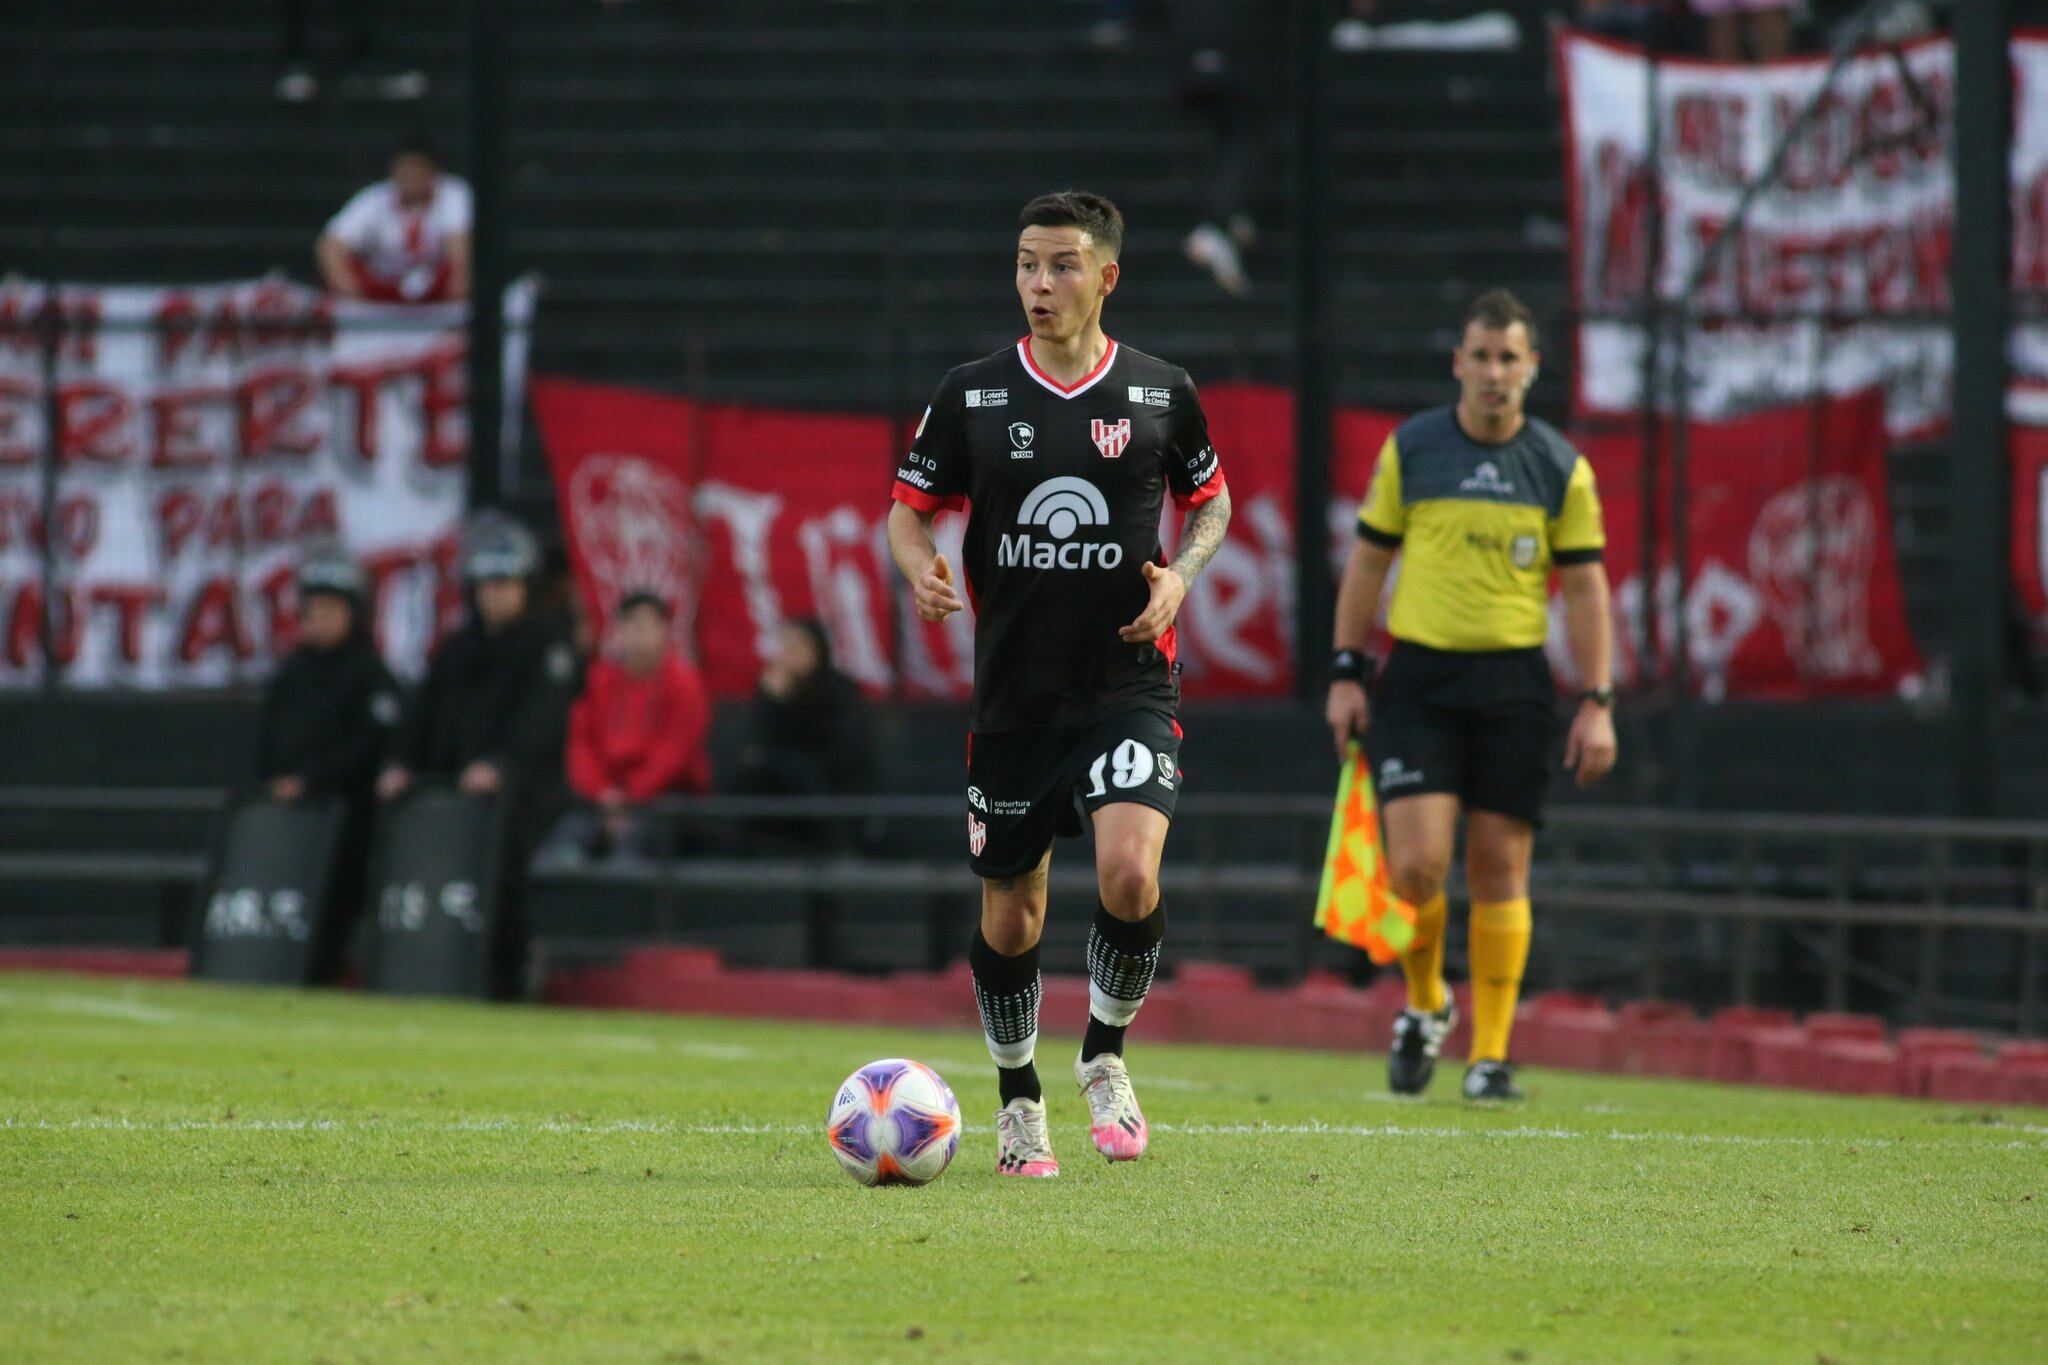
1479 528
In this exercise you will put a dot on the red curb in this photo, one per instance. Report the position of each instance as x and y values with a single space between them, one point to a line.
1781 1057
1967 1080
1855 1067
1828 1028
148 962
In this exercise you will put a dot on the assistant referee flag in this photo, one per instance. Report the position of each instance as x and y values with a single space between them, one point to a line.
1357 904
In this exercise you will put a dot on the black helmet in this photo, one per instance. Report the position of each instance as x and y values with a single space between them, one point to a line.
328 568
496 546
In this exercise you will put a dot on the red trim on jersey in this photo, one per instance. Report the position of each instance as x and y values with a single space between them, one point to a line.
925 502
1086 381
1177 733
1169 645
1188 502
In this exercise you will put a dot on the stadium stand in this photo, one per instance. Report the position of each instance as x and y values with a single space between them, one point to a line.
665 181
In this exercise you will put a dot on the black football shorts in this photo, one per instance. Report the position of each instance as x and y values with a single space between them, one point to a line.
1027 787
1481 726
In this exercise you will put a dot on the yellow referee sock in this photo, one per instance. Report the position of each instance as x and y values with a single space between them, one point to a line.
1499 949
1423 963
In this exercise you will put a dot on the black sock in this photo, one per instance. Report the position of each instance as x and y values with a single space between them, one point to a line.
1006 991
1019 1082
1122 955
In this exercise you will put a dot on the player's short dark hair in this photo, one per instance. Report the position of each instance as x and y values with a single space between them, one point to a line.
1092 213
419 145
1500 309
642 597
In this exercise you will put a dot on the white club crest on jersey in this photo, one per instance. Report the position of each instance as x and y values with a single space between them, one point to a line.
1110 437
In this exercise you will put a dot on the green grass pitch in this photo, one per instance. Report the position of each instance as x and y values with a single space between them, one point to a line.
211 1174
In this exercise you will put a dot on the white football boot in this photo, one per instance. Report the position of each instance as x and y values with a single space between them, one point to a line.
1114 1120
1022 1146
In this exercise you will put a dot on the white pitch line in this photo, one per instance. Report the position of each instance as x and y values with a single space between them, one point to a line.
741 1129
131 1010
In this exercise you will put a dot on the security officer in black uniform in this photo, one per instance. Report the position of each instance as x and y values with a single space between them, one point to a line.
492 715
328 717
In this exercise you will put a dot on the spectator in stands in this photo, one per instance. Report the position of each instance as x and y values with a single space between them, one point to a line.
636 734
327 720
492 714
806 735
364 72
1764 25
404 239
1229 67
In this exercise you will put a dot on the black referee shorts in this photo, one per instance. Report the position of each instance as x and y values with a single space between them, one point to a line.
1027 787
1480 725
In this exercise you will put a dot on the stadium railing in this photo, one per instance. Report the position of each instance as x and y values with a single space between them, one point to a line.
1881 907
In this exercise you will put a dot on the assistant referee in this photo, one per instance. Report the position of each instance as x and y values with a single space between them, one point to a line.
1481 503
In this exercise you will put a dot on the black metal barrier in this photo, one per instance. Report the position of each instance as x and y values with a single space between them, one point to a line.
1931 921
269 908
434 894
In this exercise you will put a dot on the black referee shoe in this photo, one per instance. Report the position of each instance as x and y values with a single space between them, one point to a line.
1418 1037
1491 1081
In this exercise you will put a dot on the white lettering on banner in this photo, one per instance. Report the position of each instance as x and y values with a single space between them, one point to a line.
748 517
1721 609
1857 229
842 549
1249 581
636 534
951 674
1810 554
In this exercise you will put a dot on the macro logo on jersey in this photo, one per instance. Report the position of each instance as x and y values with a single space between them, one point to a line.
1110 437
1059 509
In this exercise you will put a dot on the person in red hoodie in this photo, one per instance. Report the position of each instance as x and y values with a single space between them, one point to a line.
636 734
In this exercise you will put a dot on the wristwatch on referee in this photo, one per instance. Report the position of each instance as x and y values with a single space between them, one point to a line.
1352 665
1602 695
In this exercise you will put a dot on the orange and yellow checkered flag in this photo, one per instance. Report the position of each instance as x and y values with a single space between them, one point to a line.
1357 904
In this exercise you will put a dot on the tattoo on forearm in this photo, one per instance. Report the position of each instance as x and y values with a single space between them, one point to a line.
1201 536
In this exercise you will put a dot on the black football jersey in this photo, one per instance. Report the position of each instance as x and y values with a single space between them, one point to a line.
1064 485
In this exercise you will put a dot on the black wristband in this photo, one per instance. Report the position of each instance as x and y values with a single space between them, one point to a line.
1351 665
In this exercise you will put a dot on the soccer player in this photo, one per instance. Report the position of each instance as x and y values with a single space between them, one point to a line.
1065 446
1482 503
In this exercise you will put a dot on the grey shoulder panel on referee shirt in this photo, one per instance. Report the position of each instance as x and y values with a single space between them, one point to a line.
1439 461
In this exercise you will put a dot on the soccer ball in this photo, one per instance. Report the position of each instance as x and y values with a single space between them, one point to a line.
894 1122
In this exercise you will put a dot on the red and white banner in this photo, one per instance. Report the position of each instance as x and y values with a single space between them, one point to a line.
206 434
1857 229
1791 587
748 516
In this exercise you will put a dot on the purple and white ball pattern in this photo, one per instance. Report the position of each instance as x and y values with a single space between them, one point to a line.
894 1122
